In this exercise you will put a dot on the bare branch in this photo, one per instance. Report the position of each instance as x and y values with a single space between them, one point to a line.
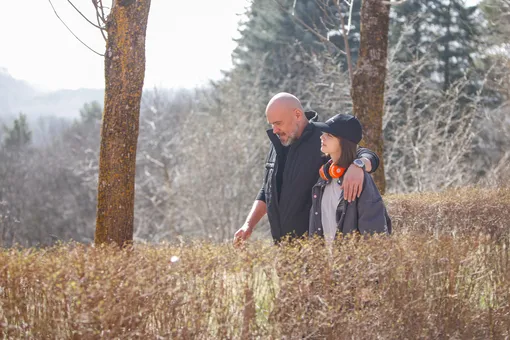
102 32
99 10
87 46
317 34
346 39
322 6
84 17
349 23
394 3
100 15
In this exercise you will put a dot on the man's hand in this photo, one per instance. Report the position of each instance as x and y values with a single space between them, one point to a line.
242 235
353 183
258 210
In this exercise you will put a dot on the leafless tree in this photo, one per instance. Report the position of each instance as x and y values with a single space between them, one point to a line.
124 28
200 153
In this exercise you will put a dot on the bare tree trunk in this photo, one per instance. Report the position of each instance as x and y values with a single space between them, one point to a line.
367 90
446 58
124 76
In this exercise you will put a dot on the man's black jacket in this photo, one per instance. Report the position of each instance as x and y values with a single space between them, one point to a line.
288 210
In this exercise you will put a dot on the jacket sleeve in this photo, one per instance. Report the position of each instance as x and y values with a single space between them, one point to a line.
370 155
371 210
261 196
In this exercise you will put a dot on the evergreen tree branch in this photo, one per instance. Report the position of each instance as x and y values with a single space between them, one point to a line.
310 29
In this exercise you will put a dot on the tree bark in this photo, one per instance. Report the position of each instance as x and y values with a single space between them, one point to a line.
124 76
446 54
367 89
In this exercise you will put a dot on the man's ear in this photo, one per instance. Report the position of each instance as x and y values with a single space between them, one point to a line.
299 114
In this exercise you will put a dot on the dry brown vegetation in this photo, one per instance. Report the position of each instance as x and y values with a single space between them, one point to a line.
455 212
445 273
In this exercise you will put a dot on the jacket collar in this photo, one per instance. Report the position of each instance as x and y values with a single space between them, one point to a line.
312 116
324 182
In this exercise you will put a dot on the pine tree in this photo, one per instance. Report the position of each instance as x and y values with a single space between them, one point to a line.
445 30
264 42
19 136
91 112
497 14
277 32
335 33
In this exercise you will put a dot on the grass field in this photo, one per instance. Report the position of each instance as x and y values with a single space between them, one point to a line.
444 274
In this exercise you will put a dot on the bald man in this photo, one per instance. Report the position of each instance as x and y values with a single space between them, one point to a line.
292 169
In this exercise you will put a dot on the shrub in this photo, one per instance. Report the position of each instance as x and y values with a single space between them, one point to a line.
409 285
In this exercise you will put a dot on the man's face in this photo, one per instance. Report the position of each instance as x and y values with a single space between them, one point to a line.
284 124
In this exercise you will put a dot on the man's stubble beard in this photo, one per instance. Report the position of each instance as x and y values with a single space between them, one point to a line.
292 137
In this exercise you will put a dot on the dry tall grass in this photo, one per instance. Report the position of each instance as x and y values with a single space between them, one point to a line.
419 283
468 211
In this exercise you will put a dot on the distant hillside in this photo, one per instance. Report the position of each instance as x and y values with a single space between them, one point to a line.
12 92
19 96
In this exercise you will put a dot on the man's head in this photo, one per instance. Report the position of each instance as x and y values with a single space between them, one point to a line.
285 114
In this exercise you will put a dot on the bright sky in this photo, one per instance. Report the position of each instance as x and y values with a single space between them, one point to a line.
188 42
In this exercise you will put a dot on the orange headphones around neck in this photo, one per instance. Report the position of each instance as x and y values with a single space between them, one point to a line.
330 170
